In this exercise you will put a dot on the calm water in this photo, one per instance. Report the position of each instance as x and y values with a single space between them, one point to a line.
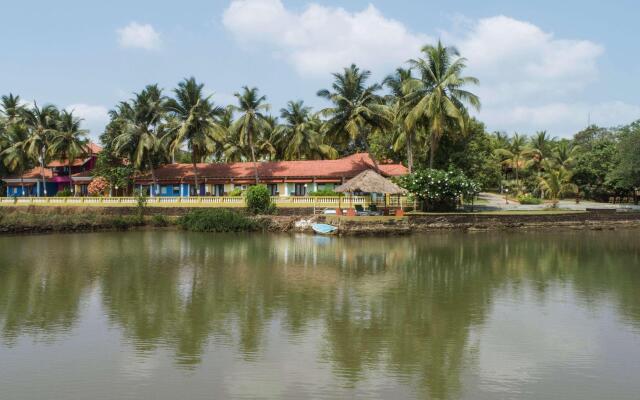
174 315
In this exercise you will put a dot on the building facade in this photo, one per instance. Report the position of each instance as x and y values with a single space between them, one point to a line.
282 178
55 177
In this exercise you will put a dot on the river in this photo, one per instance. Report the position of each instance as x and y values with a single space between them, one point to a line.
178 315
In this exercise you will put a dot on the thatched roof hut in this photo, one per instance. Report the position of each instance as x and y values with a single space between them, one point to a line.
370 181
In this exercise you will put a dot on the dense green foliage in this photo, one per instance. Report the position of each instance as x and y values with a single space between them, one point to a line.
216 220
439 190
418 116
529 199
258 200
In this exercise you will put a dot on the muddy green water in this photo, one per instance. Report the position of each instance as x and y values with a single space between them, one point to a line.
175 315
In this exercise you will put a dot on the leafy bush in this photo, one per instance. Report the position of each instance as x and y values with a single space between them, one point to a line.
123 222
325 192
529 199
98 186
237 192
259 200
216 220
439 190
66 192
159 221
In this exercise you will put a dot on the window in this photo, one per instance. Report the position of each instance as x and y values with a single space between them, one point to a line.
273 189
300 189
218 190
176 190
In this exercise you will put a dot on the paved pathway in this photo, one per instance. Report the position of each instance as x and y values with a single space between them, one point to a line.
496 202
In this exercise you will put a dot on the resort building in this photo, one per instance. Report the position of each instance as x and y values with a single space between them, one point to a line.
56 177
283 178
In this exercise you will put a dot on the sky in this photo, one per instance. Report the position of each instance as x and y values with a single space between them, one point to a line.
543 65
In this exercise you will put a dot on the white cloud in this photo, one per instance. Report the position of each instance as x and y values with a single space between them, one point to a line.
95 117
320 39
531 80
517 61
142 36
561 118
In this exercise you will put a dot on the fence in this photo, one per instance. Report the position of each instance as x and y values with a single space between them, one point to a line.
207 201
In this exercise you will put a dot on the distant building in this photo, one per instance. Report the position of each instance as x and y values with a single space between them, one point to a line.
283 178
56 176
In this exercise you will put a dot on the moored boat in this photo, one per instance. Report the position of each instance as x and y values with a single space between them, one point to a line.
324 229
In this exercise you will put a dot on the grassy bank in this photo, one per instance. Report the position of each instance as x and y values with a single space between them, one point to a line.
26 222
211 220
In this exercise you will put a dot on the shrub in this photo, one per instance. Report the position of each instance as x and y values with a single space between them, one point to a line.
237 192
259 200
126 222
216 220
159 221
439 190
528 199
141 203
66 192
98 186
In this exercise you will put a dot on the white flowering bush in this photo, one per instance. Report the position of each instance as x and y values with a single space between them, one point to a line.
439 190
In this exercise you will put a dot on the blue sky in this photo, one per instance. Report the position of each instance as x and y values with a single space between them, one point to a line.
542 65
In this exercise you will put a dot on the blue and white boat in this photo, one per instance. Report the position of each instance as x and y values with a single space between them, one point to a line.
324 229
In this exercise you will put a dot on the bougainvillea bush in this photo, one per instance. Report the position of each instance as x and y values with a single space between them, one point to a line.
98 186
439 190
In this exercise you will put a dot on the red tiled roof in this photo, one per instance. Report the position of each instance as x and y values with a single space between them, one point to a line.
91 149
33 174
346 167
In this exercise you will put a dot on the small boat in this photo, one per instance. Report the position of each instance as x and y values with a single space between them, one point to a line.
324 229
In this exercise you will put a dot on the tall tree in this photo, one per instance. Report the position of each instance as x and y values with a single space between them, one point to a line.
403 136
437 98
194 123
42 123
15 155
251 121
12 108
303 133
514 155
139 138
68 143
556 182
357 110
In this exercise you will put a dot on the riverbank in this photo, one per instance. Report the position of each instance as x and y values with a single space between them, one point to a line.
31 220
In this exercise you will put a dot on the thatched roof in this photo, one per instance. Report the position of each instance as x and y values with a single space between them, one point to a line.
370 181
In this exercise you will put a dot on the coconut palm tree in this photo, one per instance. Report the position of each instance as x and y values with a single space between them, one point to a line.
437 98
42 124
251 121
194 123
68 142
539 151
12 108
556 182
303 133
15 155
139 139
514 154
357 110
403 136
565 153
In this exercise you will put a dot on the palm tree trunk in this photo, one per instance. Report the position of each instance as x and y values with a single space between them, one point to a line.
375 163
410 152
44 180
432 149
195 172
70 180
253 158
153 175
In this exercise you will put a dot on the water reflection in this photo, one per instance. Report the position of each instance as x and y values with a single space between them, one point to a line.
412 307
